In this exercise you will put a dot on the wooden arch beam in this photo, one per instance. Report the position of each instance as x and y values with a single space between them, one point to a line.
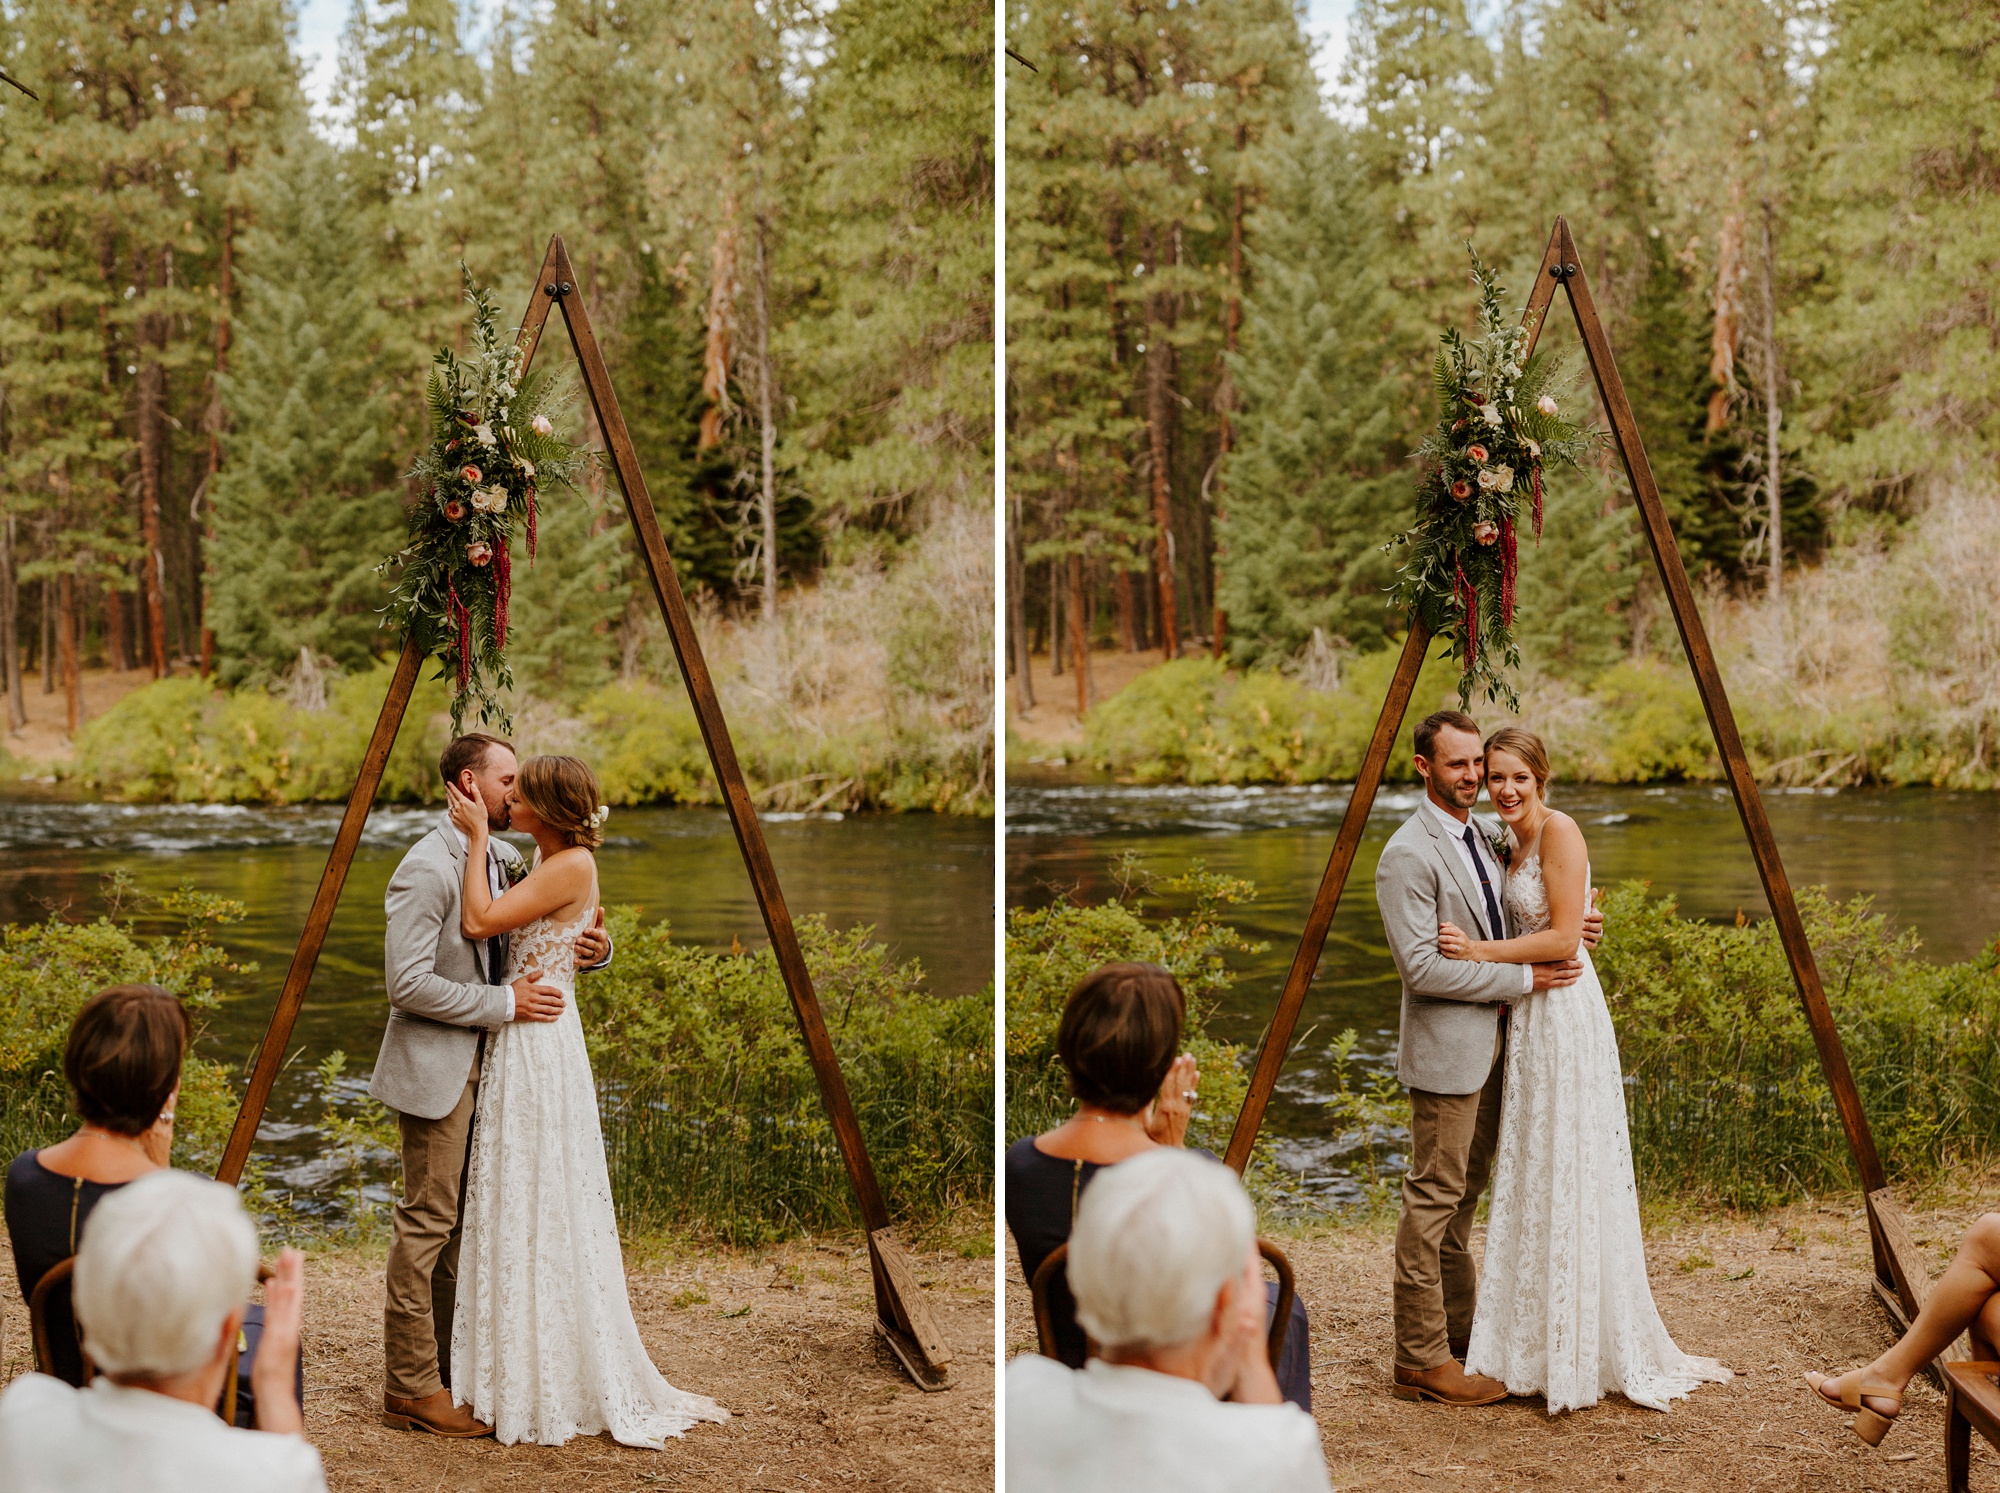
1898 1269
901 1315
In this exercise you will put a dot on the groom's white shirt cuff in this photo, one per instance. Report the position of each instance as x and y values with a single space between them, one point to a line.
1479 864
495 885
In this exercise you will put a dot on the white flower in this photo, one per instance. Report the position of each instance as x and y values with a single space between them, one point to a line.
603 813
1490 413
483 433
1547 405
1496 479
529 467
542 426
1534 448
489 499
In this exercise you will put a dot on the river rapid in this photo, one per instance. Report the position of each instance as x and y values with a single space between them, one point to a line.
1931 861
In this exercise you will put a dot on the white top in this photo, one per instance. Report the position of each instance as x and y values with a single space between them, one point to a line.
1112 1427
1475 861
113 1439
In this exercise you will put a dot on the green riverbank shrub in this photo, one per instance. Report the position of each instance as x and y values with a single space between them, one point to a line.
183 740
712 1115
49 969
1049 949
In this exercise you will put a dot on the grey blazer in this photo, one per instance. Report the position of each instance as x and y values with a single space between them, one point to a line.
1450 1006
439 997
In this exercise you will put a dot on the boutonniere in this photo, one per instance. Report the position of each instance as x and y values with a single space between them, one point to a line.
1503 849
511 865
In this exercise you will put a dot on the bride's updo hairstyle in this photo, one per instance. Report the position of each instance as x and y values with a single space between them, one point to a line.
564 794
1519 741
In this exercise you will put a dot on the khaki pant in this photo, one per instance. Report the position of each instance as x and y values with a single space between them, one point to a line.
423 1250
1451 1154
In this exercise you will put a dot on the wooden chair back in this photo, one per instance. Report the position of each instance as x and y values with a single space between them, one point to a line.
1053 1314
55 1286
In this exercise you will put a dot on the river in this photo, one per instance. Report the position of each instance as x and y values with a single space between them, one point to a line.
1931 861
923 881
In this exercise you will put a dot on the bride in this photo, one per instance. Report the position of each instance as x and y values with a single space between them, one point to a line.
1564 1307
543 1345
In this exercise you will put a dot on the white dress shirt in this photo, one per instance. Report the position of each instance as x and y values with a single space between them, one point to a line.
1109 1428
113 1439
1478 856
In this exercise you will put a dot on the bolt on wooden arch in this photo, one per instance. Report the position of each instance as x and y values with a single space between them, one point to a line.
1901 1279
902 1318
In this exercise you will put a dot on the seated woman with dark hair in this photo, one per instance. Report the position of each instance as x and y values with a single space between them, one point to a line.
123 1065
1119 1042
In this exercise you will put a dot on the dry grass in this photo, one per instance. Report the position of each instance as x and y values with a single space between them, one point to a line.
1785 1293
780 1336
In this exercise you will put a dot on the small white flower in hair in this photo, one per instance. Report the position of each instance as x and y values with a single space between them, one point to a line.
603 813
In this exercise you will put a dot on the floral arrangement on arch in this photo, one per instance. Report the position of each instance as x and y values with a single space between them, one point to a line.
1499 424
492 447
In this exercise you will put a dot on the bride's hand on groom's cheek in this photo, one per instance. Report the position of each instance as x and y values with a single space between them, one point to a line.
468 811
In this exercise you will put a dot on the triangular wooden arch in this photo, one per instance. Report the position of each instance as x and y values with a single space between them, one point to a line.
1901 1278
901 1315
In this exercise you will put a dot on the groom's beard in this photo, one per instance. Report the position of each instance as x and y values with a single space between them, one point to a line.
501 817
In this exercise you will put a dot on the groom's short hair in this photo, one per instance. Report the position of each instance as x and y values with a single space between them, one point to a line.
1436 721
468 751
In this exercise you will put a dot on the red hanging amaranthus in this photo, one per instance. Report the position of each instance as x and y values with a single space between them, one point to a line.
1536 472
455 609
1509 564
1467 596
532 505
503 586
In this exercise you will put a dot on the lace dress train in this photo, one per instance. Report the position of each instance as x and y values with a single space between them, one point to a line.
1565 1309
543 1343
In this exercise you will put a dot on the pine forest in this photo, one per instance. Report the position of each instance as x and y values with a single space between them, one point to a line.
219 309
1226 279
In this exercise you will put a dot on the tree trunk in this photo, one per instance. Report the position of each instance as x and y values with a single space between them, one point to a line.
1159 414
1017 618
1055 620
117 629
1079 637
1128 627
10 628
48 637
1773 417
1225 398
768 429
152 456
224 292
66 640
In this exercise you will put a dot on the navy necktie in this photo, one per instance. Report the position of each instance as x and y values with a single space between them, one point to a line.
1497 929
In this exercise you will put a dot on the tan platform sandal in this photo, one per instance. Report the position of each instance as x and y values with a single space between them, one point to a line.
1870 1425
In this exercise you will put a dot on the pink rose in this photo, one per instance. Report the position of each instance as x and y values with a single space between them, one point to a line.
1486 533
541 426
479 552
1477 453
1461 489
471 474
454 510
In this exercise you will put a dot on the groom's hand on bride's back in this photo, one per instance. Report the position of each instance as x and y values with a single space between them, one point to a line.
1558 973
1593 919
534 1000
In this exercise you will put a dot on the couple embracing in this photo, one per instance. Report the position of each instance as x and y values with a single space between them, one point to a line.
1511 1061
507 1312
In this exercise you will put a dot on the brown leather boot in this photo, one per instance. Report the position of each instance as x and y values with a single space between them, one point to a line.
434 1413
1448 1384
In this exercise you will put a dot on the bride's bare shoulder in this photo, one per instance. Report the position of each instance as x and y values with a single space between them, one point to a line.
1561 833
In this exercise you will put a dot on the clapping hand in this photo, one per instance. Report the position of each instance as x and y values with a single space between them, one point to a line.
1173 1107
1245 1358
273 1380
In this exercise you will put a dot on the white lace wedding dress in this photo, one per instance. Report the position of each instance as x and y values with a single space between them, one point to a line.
543 1345
1565 1309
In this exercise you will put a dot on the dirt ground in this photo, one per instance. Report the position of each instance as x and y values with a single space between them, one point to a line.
44 741
1053 728
780 1336
1785 1294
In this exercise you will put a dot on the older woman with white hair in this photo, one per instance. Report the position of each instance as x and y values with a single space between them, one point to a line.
1181 1399
166 1265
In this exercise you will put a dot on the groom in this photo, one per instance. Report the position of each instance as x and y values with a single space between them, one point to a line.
445 994
1438 868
